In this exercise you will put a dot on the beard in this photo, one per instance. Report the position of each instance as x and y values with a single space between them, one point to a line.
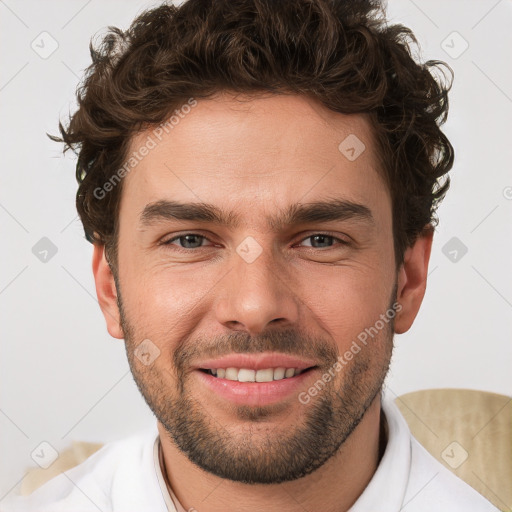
254 450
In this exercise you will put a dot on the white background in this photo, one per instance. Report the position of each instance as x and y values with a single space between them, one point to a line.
64 378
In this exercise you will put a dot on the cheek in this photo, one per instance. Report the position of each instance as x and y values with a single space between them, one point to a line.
163 304
348 302
154 287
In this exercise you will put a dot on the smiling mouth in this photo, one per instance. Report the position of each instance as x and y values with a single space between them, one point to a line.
250 375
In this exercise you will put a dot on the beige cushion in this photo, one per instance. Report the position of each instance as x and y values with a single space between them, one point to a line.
470 432
69 458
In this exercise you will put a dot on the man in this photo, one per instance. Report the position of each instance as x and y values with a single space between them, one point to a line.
259 180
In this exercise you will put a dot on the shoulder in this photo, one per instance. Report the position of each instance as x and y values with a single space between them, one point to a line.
410 479
114 473
431 486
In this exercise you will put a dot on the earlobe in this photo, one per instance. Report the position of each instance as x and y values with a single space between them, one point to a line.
106 291
412 280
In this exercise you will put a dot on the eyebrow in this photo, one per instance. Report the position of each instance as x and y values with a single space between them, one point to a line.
300 213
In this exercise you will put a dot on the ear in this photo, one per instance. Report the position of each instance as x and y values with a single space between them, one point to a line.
106 291
412 280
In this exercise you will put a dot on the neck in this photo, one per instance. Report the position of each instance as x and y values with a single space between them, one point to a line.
335 486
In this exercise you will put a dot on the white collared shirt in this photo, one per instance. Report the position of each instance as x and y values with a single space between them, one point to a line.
125 476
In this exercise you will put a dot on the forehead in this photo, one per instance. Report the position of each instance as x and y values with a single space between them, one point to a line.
243 152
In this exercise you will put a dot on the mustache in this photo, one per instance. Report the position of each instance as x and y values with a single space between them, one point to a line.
289 341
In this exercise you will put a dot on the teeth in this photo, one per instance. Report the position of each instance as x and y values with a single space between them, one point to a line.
245 375
248 375
290 372
279 373
265 375
231 374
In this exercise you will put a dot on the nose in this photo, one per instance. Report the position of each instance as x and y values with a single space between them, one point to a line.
256 295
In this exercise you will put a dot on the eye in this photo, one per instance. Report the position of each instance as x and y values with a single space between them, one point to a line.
187 241
323 240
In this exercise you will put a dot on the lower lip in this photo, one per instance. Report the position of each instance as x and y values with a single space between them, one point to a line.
256 393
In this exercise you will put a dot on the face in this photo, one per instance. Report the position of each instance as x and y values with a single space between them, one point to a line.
287 262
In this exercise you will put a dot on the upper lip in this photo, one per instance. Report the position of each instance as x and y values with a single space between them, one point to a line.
255 362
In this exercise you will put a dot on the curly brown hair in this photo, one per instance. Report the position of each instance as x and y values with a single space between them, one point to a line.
342 53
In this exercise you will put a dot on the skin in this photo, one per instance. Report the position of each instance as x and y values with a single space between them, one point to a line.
254 158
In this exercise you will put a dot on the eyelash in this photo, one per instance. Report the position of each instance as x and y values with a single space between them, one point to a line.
183 249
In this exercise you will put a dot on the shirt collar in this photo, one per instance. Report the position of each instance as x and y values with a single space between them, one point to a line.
171 502
386 490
